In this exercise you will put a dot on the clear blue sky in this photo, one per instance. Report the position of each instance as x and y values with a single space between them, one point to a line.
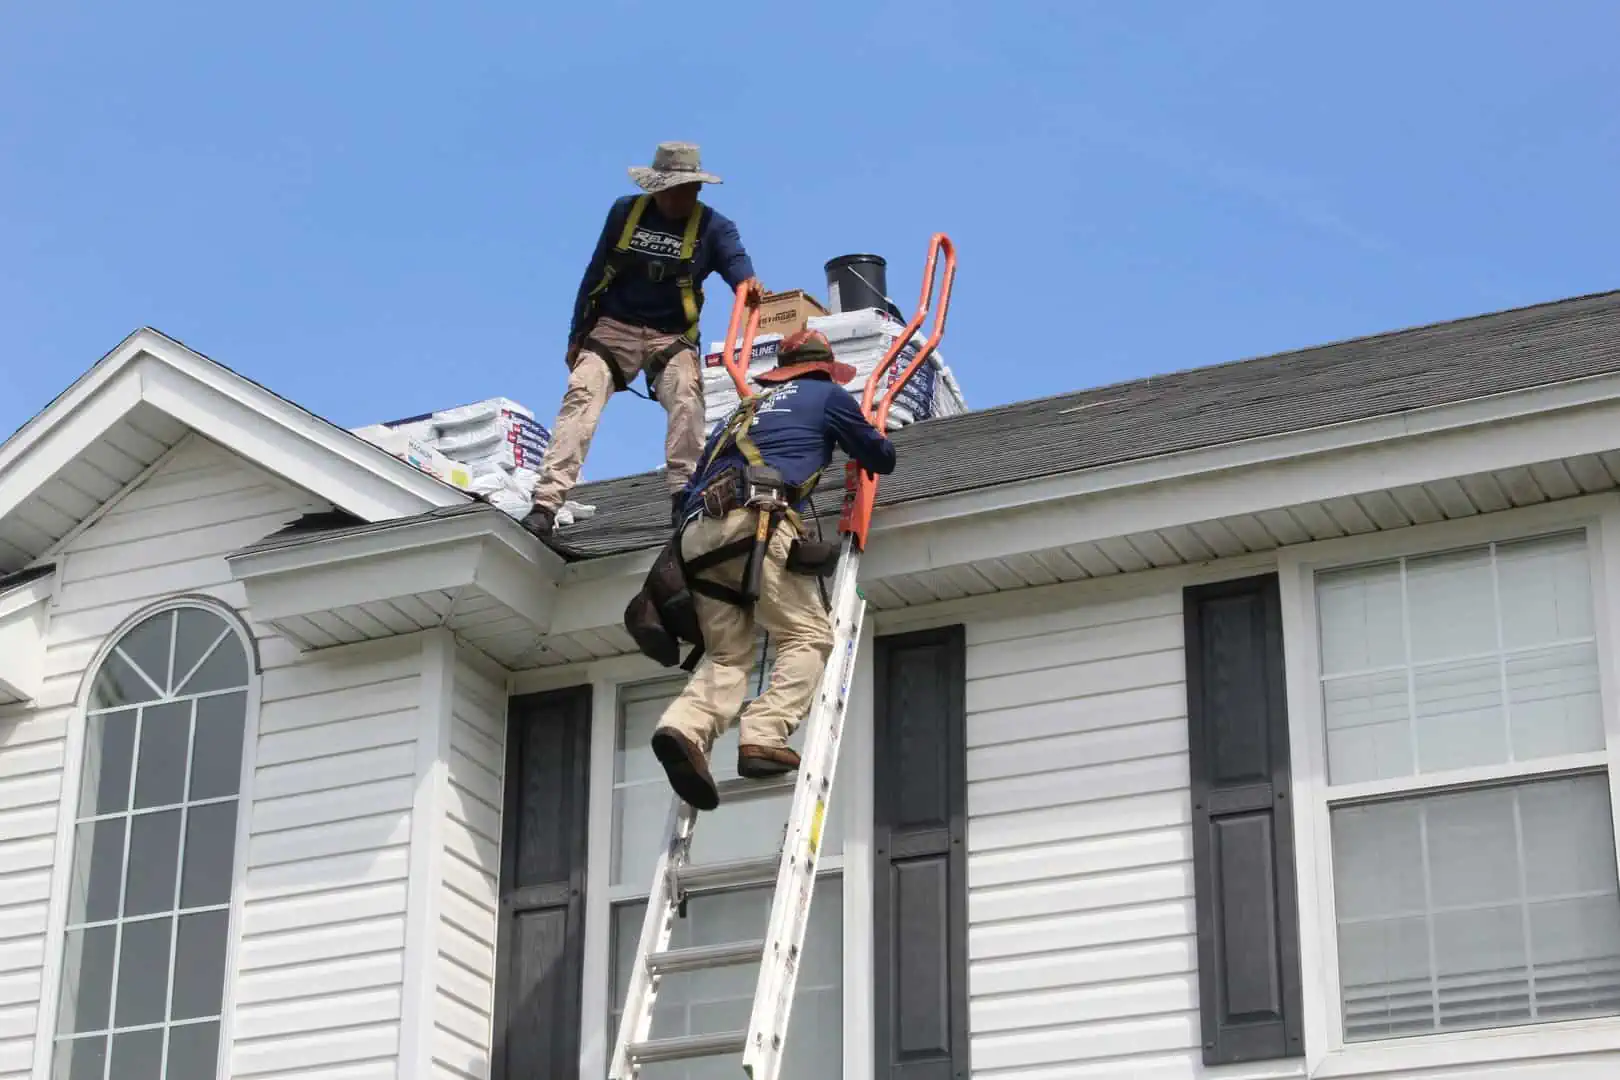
378 209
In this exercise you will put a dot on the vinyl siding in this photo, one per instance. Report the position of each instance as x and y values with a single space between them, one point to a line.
1082 954
464 964
165 536
321 958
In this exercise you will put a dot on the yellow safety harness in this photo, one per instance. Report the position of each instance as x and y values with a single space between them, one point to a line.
622 256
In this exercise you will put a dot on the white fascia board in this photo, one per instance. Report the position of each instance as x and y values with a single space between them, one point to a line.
22 639
340 467
40 451
488 550
1271 449
1133 498
1397 461
233 411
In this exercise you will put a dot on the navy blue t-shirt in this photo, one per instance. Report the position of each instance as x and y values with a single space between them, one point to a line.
796 428
633 297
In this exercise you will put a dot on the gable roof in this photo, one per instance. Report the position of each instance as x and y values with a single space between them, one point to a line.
121 417
1363 378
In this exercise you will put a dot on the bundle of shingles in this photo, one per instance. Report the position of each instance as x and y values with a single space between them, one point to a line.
859 339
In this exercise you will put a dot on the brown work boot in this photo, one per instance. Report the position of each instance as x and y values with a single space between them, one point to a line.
764 762
686 768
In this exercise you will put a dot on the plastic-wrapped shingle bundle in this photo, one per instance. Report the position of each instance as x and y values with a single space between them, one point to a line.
860 339
492 448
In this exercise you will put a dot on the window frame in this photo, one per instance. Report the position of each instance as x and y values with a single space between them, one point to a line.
853 781
1327 1052
54 960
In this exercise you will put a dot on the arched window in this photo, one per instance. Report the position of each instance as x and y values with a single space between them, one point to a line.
148 907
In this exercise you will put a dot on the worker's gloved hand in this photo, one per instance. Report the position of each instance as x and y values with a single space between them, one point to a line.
756 286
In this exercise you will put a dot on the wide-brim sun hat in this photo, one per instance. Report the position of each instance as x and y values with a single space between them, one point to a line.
805 353
674 164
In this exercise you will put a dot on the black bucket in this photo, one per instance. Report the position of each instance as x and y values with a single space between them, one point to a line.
858 281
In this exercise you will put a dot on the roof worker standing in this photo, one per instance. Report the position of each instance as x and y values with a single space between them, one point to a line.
783 436
637 313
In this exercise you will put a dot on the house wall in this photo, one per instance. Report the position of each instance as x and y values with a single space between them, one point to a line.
165 536
321 954
1082 947
464 959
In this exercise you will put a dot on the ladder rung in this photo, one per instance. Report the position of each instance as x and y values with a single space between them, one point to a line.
728 875
742 790
683 1047
704 957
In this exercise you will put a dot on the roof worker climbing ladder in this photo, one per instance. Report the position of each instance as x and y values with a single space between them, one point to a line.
739 555
636 313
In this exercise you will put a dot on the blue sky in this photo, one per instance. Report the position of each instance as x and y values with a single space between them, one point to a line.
378 209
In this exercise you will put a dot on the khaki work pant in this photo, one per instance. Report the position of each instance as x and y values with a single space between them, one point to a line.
627 348
789 606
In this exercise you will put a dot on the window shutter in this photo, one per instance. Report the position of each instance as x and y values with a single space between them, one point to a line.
1243 840
540 954
920 856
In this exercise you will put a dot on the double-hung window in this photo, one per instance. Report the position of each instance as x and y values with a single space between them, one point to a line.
719 1000
1465 799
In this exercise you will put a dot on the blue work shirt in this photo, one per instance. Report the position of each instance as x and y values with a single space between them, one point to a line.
636 299
796 430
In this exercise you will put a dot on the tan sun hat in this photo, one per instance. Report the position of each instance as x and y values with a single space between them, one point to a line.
674 164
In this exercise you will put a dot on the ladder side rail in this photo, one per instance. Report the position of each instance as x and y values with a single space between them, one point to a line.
796 874
748 299
657 926
860 486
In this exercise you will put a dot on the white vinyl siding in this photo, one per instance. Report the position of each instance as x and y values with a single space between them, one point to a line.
465 963
321 956
1081 943
166 536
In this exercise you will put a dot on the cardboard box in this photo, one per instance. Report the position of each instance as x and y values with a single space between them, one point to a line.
787 312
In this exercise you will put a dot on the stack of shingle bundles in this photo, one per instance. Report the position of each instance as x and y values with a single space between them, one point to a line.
491 447
859 339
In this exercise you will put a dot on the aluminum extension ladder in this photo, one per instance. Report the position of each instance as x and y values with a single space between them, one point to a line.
793 867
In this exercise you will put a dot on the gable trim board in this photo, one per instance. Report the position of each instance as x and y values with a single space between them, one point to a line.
233 411
1243 837
919 857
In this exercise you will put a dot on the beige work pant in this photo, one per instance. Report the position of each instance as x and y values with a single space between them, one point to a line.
590 384
789 606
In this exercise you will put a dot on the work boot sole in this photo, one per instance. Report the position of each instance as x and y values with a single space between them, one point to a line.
683 764
765 762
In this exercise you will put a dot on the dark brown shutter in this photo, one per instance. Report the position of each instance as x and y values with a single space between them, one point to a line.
920 856
540 951
1243 837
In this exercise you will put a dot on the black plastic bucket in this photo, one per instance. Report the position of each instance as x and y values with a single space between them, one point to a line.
857 281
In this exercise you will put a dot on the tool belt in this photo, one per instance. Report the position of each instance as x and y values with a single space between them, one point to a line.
731 491
662 614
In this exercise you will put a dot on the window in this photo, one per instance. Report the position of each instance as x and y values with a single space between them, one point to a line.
143 971
1467 790
718 1000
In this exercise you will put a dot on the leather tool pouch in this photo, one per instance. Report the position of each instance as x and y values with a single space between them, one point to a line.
813 558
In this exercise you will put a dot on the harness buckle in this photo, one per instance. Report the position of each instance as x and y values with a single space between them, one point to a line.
655 271
764 489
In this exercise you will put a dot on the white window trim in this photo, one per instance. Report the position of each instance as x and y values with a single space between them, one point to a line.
67 818
852 782
1327 1054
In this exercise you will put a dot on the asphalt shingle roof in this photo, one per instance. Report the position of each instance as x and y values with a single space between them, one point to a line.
1382 375
1359 379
